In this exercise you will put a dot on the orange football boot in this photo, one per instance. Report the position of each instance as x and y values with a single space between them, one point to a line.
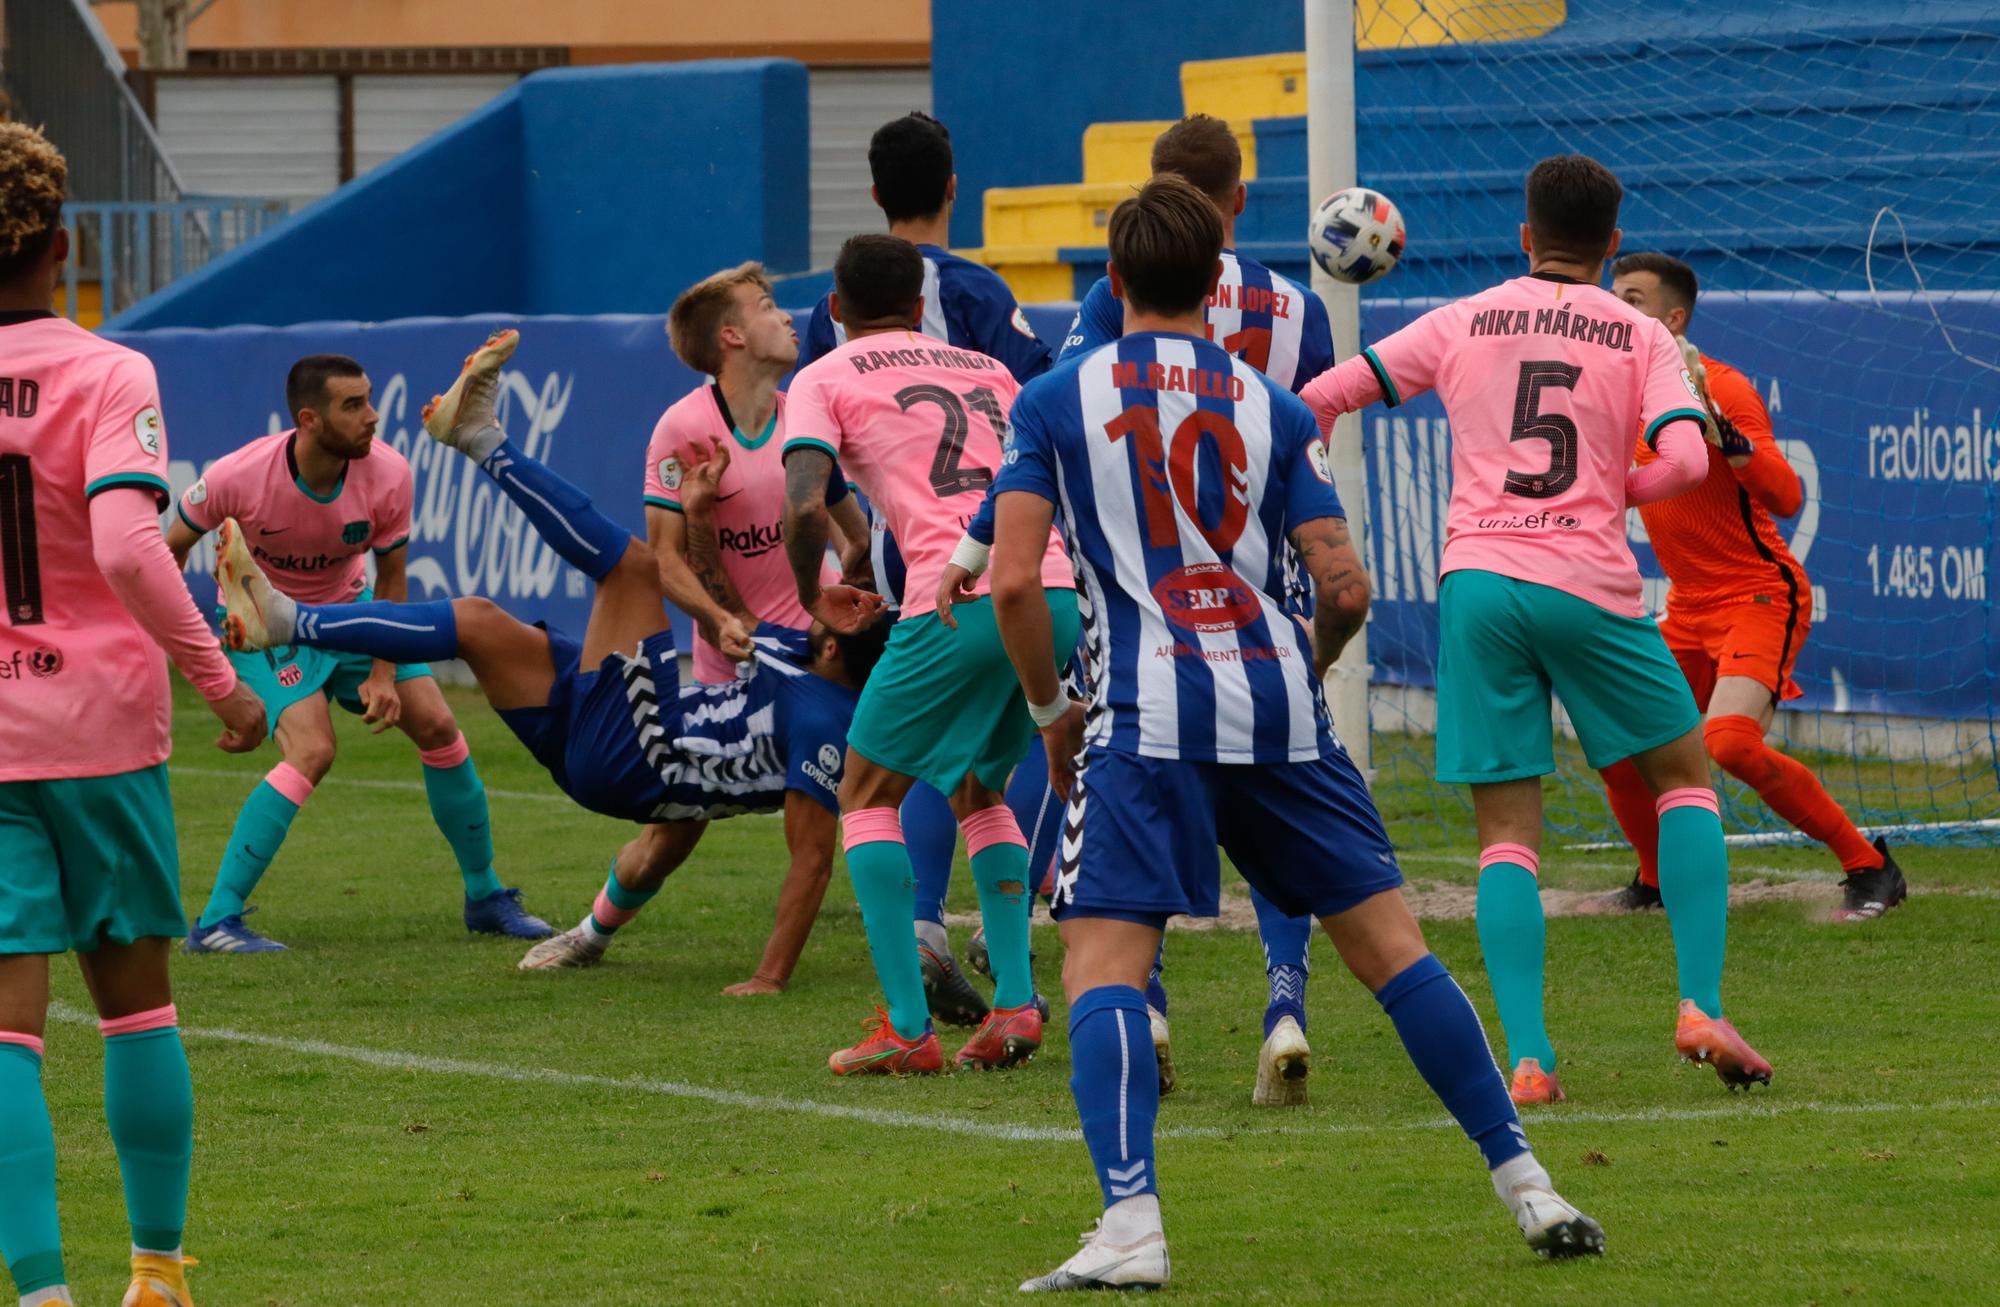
886 1053
1534 1085
1702 1038
1008 1037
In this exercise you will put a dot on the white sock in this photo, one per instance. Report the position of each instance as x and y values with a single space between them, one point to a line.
1129 1220
281 615
173 1253
479 445
54 1293
1519 1173
931 935
602 938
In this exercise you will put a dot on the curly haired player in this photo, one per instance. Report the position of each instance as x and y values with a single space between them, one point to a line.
88 858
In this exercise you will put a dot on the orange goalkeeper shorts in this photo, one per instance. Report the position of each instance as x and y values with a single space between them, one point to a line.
1758 638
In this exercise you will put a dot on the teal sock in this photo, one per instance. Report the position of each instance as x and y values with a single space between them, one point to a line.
1514 938
458 806
30 1238
616 905
1694 889
1001 873
884 884
260 831
149 1105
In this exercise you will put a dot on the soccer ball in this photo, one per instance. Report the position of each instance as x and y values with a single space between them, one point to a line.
1356 235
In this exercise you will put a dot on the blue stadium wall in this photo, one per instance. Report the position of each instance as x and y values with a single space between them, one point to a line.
589 190
1896 438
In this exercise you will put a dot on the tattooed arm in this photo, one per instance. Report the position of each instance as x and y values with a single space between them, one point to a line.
807 525
1340 586
723 621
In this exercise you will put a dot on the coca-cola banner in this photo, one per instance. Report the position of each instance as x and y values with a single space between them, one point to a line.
581 394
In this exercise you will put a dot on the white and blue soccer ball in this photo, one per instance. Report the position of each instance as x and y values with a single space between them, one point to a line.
1356 235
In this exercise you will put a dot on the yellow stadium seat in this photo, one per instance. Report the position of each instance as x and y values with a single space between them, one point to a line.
1032 272
1071 214
1255 86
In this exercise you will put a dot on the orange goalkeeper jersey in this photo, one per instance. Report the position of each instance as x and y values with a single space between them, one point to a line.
1717 543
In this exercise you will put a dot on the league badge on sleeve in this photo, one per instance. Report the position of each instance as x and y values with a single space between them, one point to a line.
198 492
1020 321
147 429
1322 466
670 473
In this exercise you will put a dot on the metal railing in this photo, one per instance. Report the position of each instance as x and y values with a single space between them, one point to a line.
64 75
131 249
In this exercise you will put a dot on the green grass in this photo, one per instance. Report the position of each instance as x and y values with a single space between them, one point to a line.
1869 1173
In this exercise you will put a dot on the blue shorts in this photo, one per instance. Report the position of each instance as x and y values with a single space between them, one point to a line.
1304 834
585 735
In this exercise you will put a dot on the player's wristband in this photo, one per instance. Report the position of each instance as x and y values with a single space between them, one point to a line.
971 555
1048 714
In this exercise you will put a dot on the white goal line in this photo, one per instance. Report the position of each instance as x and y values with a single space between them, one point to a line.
1767 839
770 1104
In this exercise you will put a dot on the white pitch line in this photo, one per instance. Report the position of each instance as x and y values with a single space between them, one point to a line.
412 787
390 1060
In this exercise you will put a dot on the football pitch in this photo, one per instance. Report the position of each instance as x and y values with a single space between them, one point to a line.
392 1114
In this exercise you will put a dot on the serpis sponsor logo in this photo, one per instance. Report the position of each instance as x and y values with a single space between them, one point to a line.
1207 598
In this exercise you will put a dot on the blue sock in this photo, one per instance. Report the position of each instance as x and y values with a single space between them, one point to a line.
1442 1034
395 633
1110 1040
30 1239
931 833
563 515
1156 992
1038 811
1285 942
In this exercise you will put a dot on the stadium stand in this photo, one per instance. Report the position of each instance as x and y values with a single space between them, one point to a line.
1762 182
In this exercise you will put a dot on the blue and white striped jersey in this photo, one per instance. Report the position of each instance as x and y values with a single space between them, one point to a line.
1266 320
737 746
966 304
1178 472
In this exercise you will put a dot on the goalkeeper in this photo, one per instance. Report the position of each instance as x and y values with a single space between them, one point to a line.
1738 610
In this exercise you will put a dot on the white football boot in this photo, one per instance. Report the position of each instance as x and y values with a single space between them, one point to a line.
1161 1052
464 414
1099 1264
1282 1067
572 948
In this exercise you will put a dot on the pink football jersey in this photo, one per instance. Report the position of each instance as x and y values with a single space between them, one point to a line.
749 511
1544 380
313 549
919 425
83 688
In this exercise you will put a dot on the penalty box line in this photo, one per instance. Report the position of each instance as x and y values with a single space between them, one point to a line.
390 1060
